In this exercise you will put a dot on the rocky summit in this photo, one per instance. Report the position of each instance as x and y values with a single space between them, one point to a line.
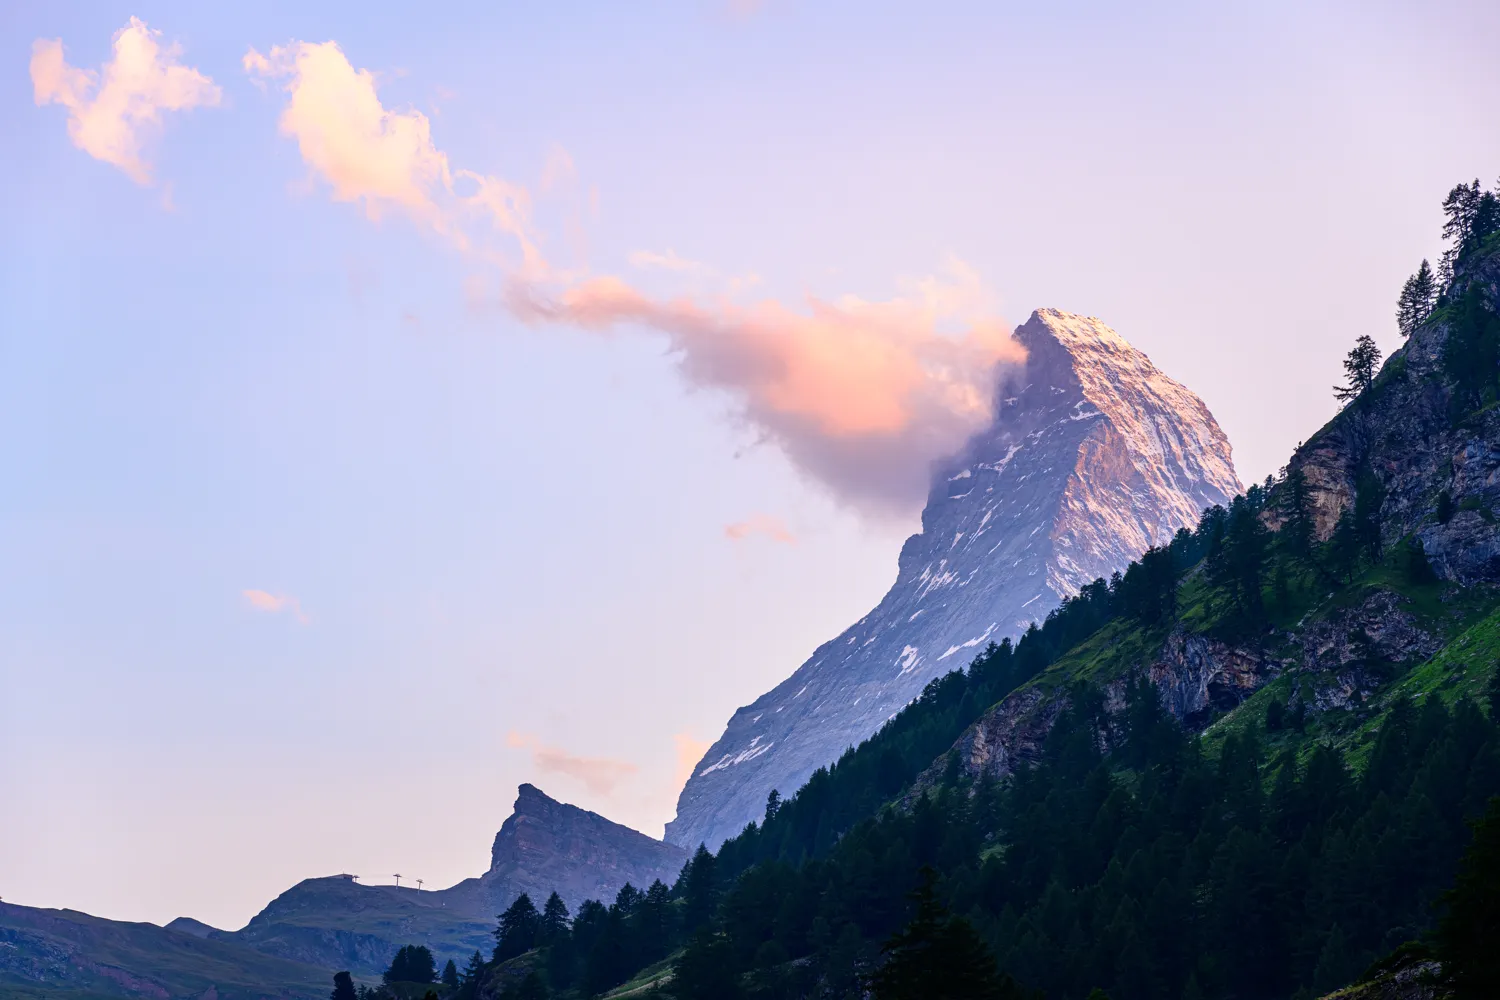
1093 456
544 846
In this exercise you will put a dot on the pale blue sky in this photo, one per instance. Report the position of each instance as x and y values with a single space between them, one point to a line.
494 529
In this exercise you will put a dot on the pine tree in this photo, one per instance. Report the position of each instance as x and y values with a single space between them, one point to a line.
554 923
473 972
343 987
1417 298
517 933
413 964
705 970
1459 210
1359 366
700 888
1468 932
450 975
1295 503
937 956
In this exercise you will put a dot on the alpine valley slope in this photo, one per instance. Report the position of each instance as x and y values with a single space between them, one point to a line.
1093 456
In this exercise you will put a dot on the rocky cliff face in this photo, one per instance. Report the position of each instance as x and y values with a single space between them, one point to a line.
1407 435
544 846
1093 456
548 846
1341 657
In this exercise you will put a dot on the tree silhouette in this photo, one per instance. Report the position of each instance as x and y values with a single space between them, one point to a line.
1359 366
518 930
937 956
1468 932
1416 300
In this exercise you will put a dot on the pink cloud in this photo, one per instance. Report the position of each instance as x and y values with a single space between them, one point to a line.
862 396
383 159
689 752
270 603
668 261
772 527
600 775
111 111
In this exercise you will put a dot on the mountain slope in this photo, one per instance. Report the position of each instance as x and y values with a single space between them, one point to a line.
1093 456
63 953
542 847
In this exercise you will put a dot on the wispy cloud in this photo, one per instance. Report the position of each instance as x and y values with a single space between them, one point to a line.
669 261
386 160
765 524
600 775
862 396
112 111
262 600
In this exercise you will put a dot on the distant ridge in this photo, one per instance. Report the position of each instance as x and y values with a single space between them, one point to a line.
543 846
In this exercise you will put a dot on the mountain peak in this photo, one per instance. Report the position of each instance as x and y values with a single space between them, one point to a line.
547 845
1073 331
1093 456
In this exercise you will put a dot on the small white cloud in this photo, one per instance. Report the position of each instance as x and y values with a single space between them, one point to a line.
270 603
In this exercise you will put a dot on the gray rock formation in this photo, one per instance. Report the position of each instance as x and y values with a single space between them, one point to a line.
544 846
1093 456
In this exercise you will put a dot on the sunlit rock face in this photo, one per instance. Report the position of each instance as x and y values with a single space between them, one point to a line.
1093 456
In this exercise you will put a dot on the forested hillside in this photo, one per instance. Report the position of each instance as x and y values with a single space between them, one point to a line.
1244 768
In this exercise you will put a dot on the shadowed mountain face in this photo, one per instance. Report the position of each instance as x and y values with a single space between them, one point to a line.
63 953
1093 456
544 846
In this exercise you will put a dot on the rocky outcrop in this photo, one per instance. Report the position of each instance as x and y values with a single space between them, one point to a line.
1093 456
1410 435
548 846
1344 657
1418 981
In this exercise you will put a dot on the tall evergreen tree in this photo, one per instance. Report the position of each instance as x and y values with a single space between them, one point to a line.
1294 502
937 956
343 987
1459 210
705 970
700 890
450 975
518 930
473 972
413 964
554 923
1359 367
1417 298
1467 935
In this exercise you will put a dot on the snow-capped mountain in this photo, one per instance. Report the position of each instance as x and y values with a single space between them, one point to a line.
1093 456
